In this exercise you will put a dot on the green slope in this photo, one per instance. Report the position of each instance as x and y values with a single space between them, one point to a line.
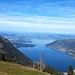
7 68
64 45
14 54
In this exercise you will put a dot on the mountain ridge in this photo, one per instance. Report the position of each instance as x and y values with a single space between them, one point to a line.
63 45
14 54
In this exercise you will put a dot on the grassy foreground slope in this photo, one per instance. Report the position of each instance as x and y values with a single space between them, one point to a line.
7 68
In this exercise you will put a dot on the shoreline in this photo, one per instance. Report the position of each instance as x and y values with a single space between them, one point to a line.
65 51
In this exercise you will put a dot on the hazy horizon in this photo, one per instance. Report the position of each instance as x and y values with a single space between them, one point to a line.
51 16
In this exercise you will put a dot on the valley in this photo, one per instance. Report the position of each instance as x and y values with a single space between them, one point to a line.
51 56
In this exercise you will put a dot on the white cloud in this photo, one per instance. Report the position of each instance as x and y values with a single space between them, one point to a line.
61 8
16 17
43 20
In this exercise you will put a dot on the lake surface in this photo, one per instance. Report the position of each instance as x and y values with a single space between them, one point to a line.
54 58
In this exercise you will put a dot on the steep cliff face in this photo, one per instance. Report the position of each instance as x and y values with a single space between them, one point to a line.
14 54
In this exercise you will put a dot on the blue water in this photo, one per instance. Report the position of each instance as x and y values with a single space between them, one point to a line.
54 58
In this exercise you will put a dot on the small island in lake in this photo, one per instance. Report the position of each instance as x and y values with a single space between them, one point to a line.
18 45
64 45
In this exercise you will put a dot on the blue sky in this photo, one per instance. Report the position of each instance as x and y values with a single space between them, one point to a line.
54 16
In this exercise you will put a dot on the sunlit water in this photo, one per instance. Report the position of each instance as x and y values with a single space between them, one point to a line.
54 58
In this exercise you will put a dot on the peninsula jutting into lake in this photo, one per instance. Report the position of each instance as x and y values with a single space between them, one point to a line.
18 45
64 45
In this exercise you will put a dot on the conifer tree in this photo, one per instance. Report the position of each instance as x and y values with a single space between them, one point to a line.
70 70
2 57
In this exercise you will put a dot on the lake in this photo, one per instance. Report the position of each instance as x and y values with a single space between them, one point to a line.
57 60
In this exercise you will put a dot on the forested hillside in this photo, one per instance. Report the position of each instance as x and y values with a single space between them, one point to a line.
12 54
64 45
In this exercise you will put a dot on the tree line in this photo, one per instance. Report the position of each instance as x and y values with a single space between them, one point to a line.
47 69
52 71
